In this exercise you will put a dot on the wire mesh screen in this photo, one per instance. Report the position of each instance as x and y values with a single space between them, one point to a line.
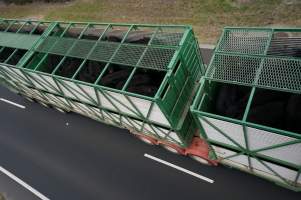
281 73
103 51
167 38
17 37
244 41
234 68
146 48
259 57
20 41
126 54
129 55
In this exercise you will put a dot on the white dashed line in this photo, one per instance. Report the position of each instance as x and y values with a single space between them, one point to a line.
12 103
25 185
179 168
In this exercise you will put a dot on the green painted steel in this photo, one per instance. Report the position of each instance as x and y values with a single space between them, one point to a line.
261 62
18 41
71 65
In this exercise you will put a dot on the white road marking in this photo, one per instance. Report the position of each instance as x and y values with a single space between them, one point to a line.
12 103
25 185
179 168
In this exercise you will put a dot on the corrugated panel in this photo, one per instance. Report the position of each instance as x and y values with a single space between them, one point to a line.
234 131
283 172
117 102
240 161
74 91
261 139
157 116
15 75
43 82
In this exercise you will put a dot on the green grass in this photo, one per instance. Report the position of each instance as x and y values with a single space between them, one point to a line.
208 17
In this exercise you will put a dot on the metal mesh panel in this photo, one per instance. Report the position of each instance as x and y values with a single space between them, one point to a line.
234 68
81 48
281 73
262 139
129 55
170 39
104 51
17 37
46 45
20 41
244 41
157 58
61 46
263 50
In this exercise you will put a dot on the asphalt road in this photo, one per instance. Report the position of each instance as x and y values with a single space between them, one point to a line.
70 157
9 189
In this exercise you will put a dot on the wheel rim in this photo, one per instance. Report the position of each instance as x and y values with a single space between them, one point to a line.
60 110
44 104
29 99
145 140
170 149
200 160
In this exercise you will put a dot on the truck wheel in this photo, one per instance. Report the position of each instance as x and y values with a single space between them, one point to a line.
170 149
200 160
60 110
145 140
29 99
44 104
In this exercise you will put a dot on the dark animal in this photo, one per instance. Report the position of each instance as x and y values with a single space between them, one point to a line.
293 113
268 114
263 97
298 53
5 53
16 57
231 101
271 108
113 78
147 90
68 67
90 71
136 37
53 61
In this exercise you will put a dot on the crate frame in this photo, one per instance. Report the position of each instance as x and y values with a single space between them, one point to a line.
246 156
186 51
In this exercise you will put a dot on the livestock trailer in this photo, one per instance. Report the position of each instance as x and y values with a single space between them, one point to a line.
139 77
151 80
248 107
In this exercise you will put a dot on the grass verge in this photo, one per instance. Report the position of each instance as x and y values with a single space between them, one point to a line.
207 17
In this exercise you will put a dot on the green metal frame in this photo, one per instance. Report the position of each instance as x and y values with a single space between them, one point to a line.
245 45
171 50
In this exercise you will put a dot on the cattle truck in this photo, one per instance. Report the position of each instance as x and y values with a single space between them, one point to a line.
151 80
